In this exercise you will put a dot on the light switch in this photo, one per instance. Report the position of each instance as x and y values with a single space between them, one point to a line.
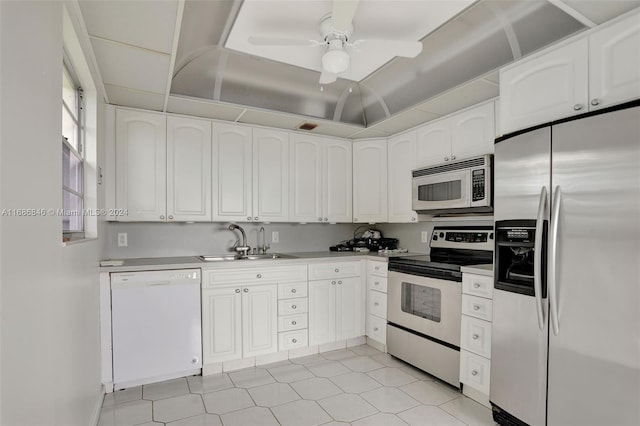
122 239
275 237
425 236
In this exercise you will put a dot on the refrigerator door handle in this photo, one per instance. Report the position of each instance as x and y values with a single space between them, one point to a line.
537 256
553 242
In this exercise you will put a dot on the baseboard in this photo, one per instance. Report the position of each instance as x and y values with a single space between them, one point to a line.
97 408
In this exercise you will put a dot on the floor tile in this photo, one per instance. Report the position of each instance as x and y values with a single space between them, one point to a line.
430 393
290 373
417 373
339 354
355 382
126 414
365 350
166 389
212 383
125 395
380 419
315 388
327 368
273 394
275 364
227 400
256 416
469 412
201 420
361 364
428 415
347 407
301 413
388 360
178 407
251 377
334 423
304 360
391 376
389 400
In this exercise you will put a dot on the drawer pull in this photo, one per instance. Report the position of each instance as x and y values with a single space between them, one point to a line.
375 328
474 372
337 270
340 282
294 322
294 307
376 283
476 285
333 283
376 304
259 276
246 290
293 290
476 307
377 268
475 337
295 340
237 290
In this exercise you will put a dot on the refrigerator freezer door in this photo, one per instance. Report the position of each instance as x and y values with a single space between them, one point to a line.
594 361
518 345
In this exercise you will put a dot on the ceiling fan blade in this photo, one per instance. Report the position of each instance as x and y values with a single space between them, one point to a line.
281 41
327 77
342 13
404 48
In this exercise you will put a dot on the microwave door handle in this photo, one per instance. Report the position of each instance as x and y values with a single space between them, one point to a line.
537 256
553 253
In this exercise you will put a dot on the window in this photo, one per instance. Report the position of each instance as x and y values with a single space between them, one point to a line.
72 156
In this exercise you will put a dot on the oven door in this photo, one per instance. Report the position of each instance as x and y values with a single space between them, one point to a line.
442 191
429 306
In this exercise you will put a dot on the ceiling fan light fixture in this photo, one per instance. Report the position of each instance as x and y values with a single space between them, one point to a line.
335 61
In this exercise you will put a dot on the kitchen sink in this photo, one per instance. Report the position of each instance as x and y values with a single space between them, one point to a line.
218 258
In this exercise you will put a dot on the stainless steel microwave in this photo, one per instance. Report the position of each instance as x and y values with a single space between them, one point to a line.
462 186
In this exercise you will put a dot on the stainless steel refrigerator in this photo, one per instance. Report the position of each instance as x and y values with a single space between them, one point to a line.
566 305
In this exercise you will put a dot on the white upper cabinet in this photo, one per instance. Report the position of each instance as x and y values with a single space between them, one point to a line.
468 133
306 175
370 181
188 169
232 172
401 152
337 180
614 63
141 165
270 175
545 87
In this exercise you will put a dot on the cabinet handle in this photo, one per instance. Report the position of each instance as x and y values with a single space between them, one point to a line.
476 285
337 270
333 283
255 218
195 360
475 337
577 107
294 307
376 283
170 216
376 304
246 290
162 217
476 307
295 340
375 328
294 322
293 290
413 219
474 372
259 276
237 290
320 219
248 217
595 101
453 157
340 282
446 158
377 268
326 219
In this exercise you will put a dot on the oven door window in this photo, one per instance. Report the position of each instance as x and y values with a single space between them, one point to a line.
422 301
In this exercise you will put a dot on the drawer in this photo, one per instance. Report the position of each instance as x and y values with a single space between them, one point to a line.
475 371
318 271
377 304
291 290
292 322
377 329
293 306
293 339
243 275
476 336
377 283
478 307
477 285
377 268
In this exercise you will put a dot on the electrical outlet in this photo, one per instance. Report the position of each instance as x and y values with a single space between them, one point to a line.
122 239
275 237
425 236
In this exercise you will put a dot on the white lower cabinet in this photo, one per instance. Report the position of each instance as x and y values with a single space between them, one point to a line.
376 326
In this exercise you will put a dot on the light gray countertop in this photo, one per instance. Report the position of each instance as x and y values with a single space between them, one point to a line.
486 269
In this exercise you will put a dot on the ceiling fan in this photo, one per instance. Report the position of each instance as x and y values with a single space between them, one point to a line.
336 29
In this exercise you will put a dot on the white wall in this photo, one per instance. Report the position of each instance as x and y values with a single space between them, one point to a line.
50 366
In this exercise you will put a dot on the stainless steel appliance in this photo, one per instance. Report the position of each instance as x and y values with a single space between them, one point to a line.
454 187
568 353
424 300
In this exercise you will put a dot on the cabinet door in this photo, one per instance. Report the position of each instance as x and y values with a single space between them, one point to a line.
141 167
370 181
544 88
188 169
305 183
231 172
433 143
401 161
259 320
221 320
349 308
322 312
337 197
614 63
473 132
270 176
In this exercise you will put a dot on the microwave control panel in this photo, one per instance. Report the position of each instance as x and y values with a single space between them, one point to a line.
478 180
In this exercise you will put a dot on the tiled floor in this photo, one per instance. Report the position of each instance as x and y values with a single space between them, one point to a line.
359 386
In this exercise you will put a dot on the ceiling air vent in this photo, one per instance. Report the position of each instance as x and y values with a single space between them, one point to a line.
307 126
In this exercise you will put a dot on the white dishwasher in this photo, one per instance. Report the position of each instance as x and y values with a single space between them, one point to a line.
156 326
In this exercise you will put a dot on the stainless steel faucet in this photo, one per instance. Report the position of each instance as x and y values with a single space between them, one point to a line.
265 246
244 248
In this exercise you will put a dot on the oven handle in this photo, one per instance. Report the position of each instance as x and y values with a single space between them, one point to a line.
553 243
537 257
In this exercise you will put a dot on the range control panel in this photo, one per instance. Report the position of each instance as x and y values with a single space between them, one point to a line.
475 238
